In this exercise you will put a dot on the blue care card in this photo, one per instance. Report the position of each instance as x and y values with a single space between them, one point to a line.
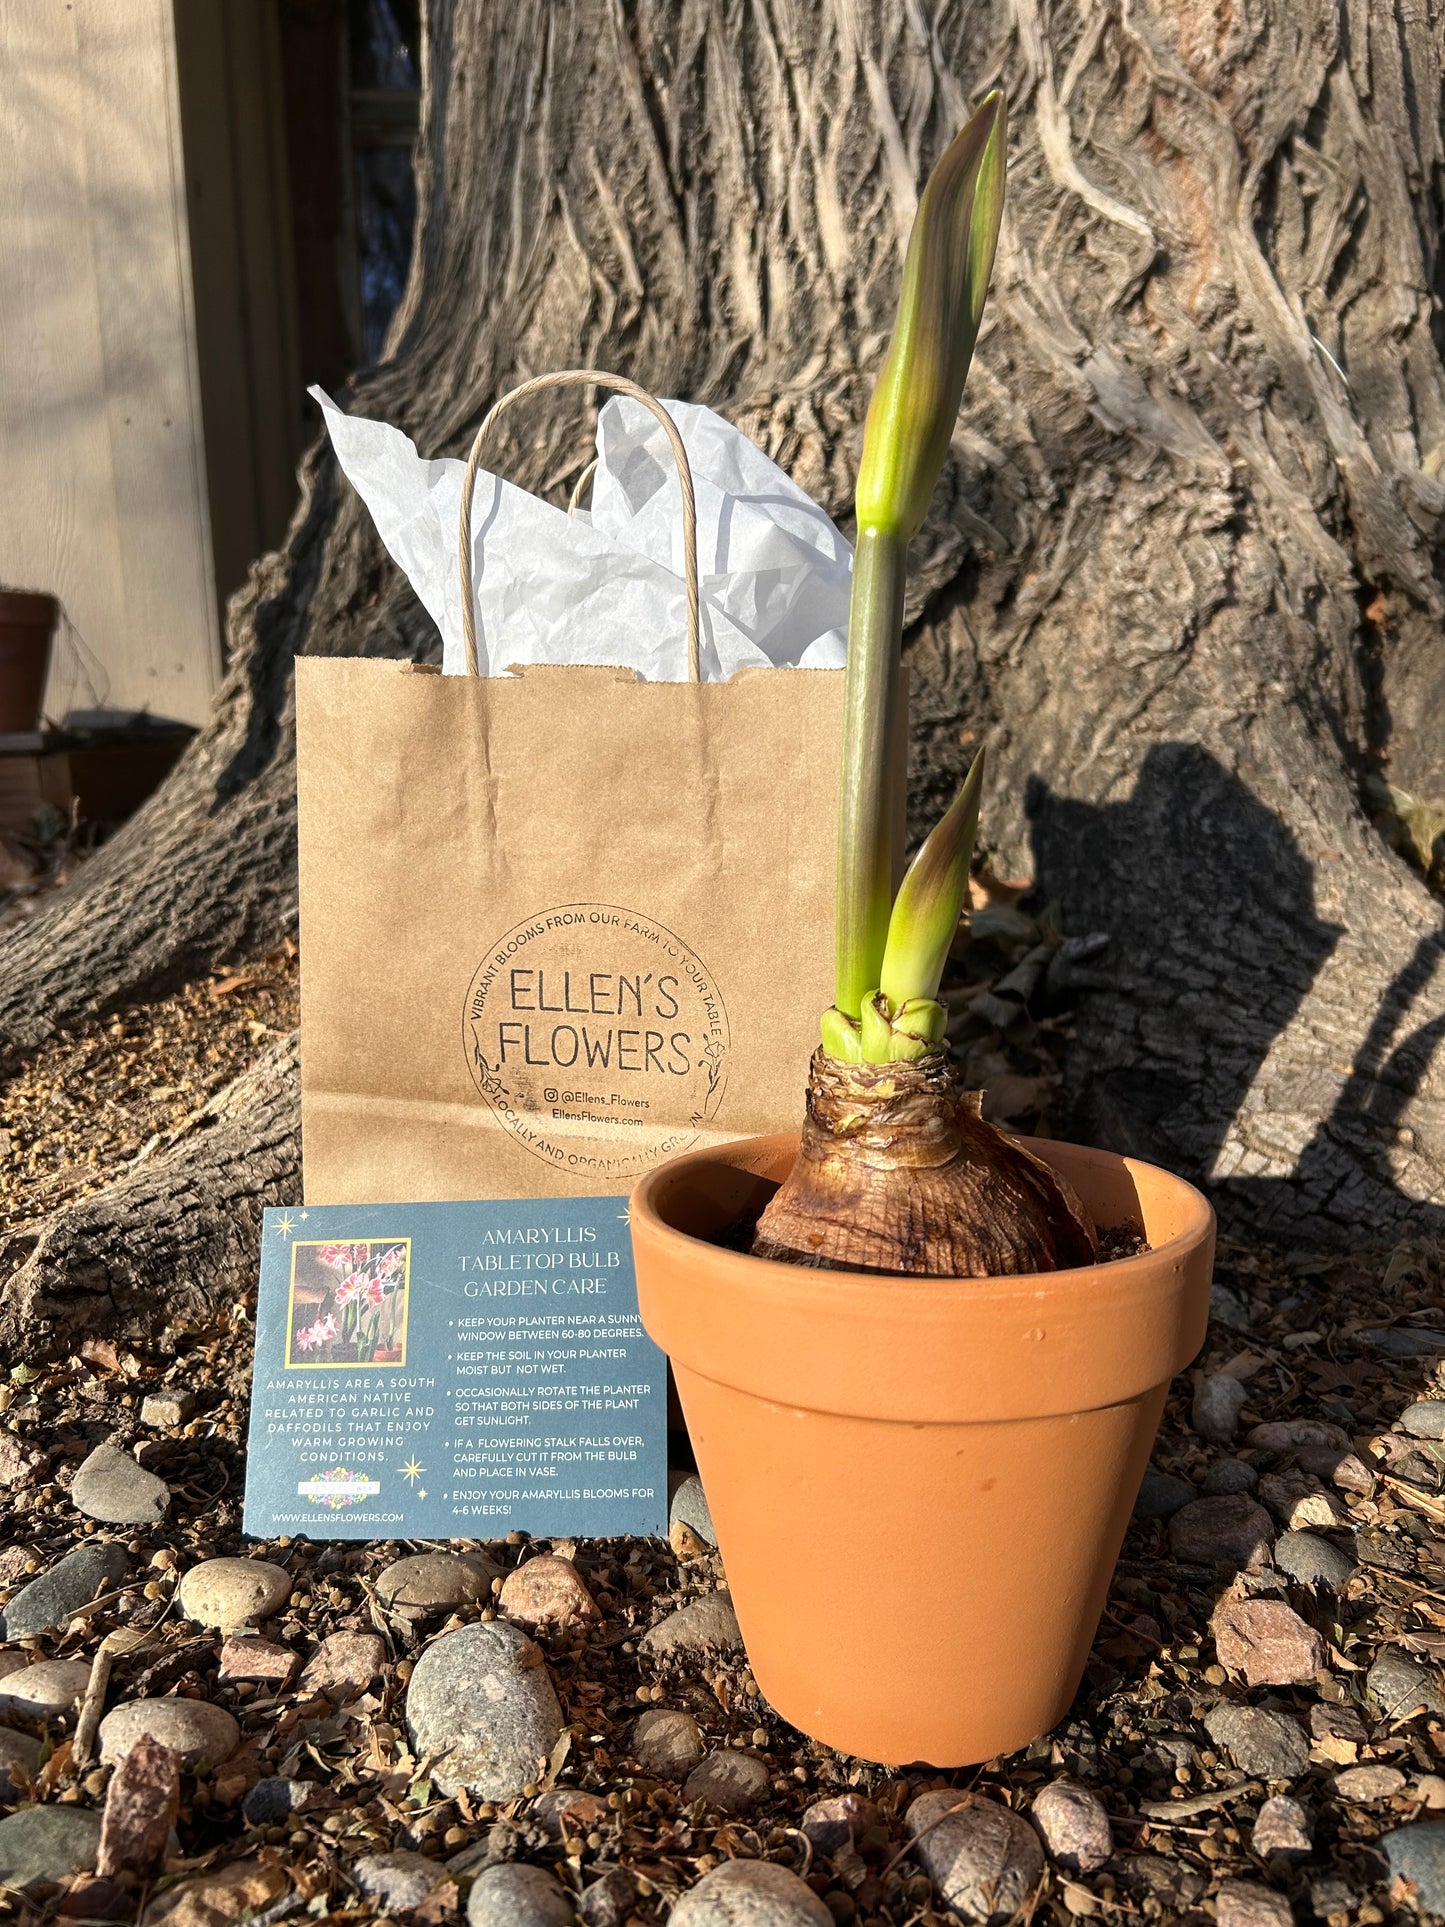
434 1371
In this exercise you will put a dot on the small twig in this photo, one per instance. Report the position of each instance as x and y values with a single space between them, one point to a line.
903 1852
1432 1508
104 1599
1416 1587
1147 1639
93 1705
1143 1822
1199 1803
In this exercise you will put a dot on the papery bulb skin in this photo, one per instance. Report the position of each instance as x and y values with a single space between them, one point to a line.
898 1172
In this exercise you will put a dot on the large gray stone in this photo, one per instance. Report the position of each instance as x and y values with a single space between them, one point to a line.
109 1485
610 1899
1330 1895
1400 1688
22 1462
838 1820
689 1508
549 1592
198 1733
1161 1495
1285 1435
16 1749
514 1895
567 1813
667 1742
1227 1476
482 1711
748 1893
707 1625
428 1582
1417 1854
72 1582
397 1882
45 1690
984 1859
1425 1419
1073 1824
1218 1401
274 1798
228 1593
1269 1745
1283 1827
1226 1307
1245 1903
1229 1531
727 1781
1362 1786
1312 1561
42 1844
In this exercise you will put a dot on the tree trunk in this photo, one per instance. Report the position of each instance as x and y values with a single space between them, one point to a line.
175 1236
1183 572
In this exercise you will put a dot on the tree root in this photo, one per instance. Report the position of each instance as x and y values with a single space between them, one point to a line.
174 1237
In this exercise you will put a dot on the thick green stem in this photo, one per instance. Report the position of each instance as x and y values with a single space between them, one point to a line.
865 820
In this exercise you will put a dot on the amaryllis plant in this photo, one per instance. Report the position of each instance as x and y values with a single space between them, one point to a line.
898 1171
362 1312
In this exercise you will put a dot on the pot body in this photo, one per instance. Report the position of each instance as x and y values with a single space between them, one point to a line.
919 1485
27 623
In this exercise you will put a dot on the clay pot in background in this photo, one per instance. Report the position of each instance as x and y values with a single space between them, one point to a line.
919 1485
27 627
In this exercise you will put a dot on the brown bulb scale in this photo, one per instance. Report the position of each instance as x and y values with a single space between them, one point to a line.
898 1172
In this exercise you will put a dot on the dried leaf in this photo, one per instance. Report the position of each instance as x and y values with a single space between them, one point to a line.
49 1775
559 1757
441 1901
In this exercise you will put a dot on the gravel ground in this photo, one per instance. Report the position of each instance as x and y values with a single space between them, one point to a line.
1211 1700
92 1101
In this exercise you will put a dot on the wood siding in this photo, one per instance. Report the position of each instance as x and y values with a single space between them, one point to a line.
107 408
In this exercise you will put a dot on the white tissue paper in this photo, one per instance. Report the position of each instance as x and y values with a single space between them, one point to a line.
605 584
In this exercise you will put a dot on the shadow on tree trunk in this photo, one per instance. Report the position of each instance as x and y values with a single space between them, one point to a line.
1211 1022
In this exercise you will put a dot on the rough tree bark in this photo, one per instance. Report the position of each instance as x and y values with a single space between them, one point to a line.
1184 572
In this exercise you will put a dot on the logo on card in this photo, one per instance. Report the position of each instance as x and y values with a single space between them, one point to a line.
338 1488
598 1038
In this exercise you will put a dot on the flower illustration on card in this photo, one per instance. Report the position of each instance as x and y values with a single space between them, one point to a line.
348 1303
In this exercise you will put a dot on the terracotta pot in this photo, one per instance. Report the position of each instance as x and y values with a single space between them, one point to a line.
920 1487
27 623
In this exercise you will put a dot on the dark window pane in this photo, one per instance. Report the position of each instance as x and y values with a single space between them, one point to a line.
385 215
385 76
385 44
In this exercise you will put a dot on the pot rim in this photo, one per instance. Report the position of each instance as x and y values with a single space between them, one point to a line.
1119 1272
953 1350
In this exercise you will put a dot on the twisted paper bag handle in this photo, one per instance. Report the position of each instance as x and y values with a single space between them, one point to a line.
578 378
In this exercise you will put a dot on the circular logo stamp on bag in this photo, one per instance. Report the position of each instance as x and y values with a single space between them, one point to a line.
599 1039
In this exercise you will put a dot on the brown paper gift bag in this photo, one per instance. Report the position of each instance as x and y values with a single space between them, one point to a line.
559 925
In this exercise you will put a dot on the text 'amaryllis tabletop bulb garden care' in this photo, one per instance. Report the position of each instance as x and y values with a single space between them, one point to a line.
896 1332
